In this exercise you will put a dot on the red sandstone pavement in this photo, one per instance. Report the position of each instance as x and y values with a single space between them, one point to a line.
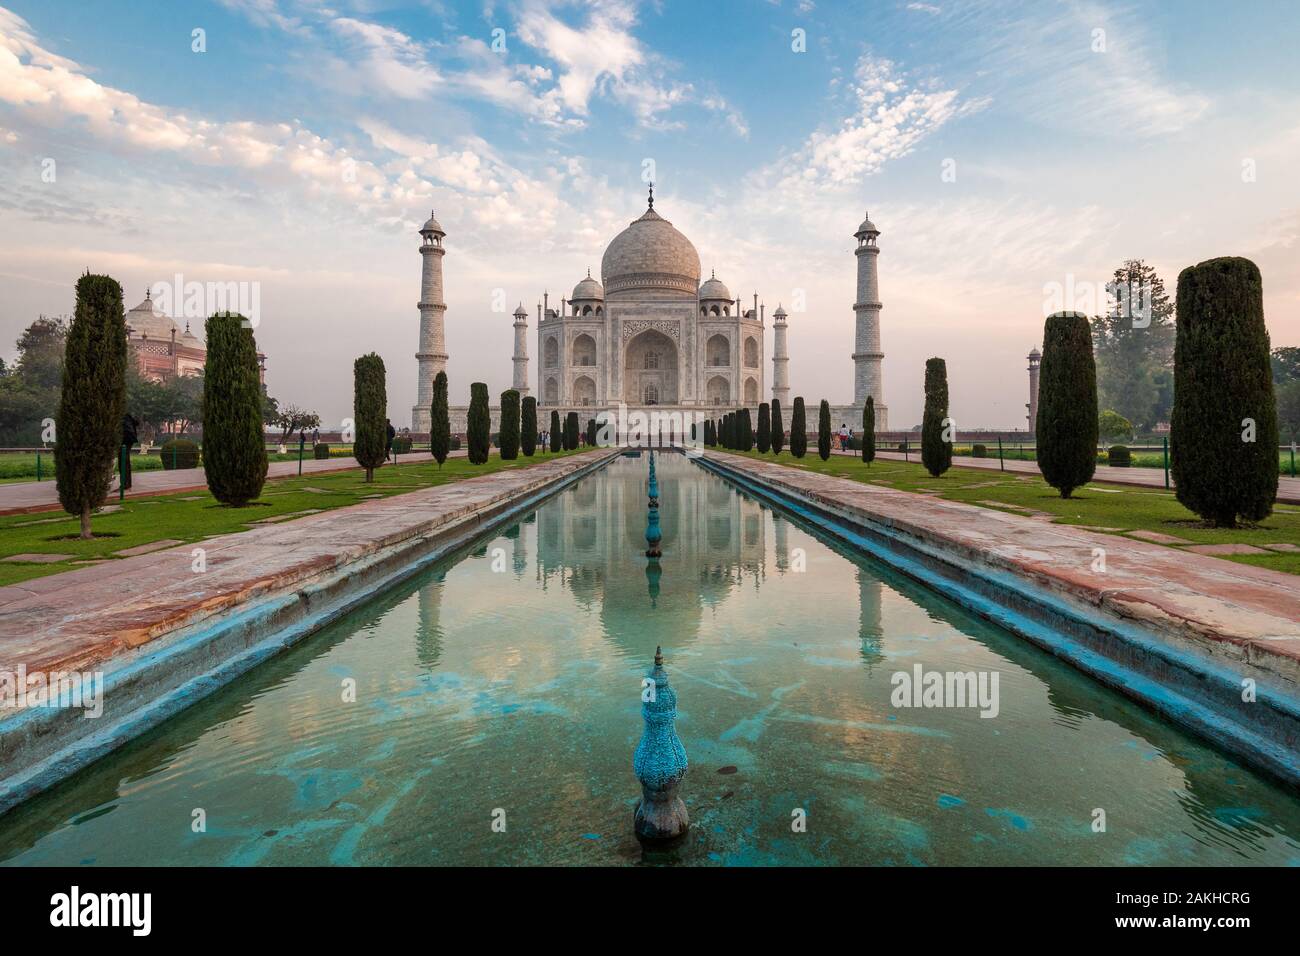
22 496
1288 489
80 619
1231 609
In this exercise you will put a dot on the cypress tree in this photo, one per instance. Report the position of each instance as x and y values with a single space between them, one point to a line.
591 432
709 439
936 454
778 428
369 413
92 398
479 424
571 431
730 424
798 430
869 430
509 437
1066 429
557 433
528 430
1223 429
439 421
234 446
764 437
824 429
746 431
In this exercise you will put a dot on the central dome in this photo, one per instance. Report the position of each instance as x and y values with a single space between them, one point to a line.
650 256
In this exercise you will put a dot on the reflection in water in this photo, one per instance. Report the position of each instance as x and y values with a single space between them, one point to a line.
520 659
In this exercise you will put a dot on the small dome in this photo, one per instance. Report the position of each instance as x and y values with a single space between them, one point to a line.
432 226
867 226
1034 353
714 289
144 320
650 256
588 290
520 311
780 313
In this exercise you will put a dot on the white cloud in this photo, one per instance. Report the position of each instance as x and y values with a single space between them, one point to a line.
388 60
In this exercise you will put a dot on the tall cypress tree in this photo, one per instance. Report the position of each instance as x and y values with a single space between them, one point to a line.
869 430
764 437
591 432
1066 429
798 430
778 428
509 437
936 454
557 432
571 431
746 431
528 430
479 424
234 446
370 413
440 421
92 398
824 429
1223 429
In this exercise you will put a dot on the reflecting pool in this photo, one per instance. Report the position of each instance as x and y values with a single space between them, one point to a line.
486 711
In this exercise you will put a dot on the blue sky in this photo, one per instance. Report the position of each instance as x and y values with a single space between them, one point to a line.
302 148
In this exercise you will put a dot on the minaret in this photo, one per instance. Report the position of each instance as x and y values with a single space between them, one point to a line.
1035 357
867 356
432 355
521 351
780 360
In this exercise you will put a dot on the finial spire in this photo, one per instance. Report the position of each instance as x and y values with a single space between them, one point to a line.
652 195
659 656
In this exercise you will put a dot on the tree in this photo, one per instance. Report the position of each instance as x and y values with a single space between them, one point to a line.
1133 344
92 398
270 407
571 431
1066 429
708 433
234 444
557 433
798 430
764 428
1113 427
746 431
370 413
869 430
1286 364
1223 433
479 424
294 419
509 436
439 421
29 393
528 430
936 451
591 432
1288 410
778 428
824 430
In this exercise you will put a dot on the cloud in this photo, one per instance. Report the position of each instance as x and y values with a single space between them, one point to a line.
387 60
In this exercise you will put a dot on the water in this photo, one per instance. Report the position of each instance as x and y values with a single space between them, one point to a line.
503 686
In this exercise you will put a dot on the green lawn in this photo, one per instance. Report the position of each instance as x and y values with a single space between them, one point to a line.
1098 505
146 519
21 465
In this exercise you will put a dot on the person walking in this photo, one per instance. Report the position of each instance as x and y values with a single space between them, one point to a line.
392 433
130 424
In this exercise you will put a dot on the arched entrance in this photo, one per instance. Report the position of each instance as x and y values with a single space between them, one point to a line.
650 369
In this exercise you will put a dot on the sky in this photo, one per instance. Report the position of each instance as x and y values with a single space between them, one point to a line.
1004 150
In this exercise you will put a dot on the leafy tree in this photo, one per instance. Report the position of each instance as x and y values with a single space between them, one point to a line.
1223 433
1113 427
1066 429
1288 410
29 392
270 409
528 432
824 430
571 431
557 433
798 430
1133 345
293 419
439 421
370 413
869 430
92 399
764 428
1286 364
778 428
509 435
936 453
234 444
479 424
40 352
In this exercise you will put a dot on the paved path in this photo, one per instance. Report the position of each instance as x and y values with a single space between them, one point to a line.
18 497
1288 489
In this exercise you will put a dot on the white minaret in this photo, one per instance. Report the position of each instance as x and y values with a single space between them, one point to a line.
1035 360
867 356
432 355
521 351
780 360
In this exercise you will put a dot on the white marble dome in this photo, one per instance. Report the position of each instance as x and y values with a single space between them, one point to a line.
145 320
714 289
651 257
588 290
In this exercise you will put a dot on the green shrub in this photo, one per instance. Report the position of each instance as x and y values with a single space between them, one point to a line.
764 436
798 430
778 427
869 430
1119 456
509 436
979 451
321 451
401 444
234 449
571 431
479 425
824 429
1066 430
528 427
746 431
179 453
936 453
557 432
454 443
369 410
440 421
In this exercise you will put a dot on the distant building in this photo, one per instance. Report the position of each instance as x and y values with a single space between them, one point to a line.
1035 360
162 351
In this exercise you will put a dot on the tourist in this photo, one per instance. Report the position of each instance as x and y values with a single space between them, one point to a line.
129 426
392 433
315 437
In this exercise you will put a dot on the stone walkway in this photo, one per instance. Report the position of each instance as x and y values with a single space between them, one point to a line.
80 619
1288 488
1229 609
23 496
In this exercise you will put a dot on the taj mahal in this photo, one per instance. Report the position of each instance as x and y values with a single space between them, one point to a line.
649 333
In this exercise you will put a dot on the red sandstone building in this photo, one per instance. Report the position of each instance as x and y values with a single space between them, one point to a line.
162 351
